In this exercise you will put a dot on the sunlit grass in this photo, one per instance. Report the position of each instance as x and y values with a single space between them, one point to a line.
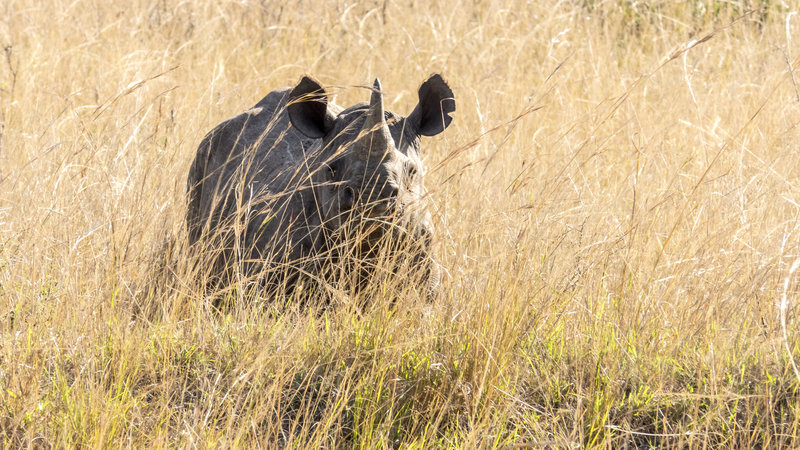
616 206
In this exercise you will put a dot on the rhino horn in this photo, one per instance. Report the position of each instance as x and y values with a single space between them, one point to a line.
376 135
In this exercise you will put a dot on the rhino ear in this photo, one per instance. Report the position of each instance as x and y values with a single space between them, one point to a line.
308 108
432 115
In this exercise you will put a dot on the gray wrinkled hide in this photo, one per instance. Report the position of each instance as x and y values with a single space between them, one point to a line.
276 187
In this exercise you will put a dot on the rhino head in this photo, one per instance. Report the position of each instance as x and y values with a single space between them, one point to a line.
369 168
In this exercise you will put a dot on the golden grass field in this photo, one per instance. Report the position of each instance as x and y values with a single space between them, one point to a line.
617 208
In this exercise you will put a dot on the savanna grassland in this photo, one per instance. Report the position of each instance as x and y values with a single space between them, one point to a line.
617 208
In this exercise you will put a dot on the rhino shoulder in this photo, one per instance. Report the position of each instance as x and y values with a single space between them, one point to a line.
219 145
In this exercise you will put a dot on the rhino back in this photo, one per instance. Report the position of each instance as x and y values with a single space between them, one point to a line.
253 161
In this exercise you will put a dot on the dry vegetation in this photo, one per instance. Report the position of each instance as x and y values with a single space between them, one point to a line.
617 207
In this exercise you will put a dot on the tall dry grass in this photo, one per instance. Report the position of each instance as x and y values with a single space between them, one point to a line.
617 208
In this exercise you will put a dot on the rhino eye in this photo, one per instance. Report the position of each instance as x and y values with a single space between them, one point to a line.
411 171
347 197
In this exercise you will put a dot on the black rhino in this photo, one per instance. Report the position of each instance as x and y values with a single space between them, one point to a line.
299 186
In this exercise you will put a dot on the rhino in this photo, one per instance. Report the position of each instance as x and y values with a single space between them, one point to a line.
297 186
